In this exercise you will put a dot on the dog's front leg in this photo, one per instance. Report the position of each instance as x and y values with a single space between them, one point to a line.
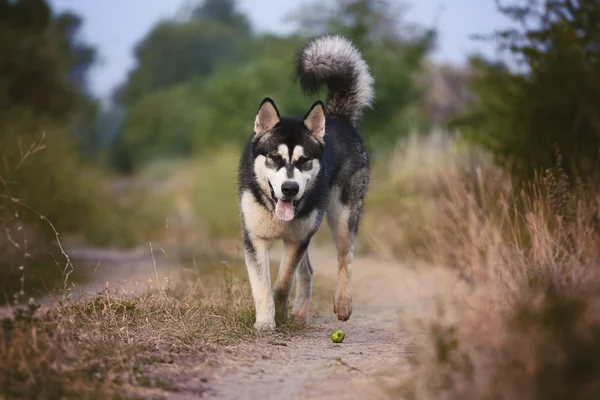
293 252
304 274
257 263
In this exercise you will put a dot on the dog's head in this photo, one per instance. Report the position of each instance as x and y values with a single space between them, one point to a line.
287 154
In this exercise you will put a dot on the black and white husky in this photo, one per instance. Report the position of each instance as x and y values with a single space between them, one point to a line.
293 170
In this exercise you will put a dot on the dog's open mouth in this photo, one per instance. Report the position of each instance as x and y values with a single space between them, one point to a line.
284 209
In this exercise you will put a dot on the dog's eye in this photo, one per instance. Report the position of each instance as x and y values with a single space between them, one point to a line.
274 160
304 163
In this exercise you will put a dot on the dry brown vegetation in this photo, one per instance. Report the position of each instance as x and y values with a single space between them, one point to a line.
527 326
111 344
408 188
114 344
118 342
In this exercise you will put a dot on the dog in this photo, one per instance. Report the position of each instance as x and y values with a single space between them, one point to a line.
295 170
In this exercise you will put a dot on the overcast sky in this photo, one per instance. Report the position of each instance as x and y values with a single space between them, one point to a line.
115 34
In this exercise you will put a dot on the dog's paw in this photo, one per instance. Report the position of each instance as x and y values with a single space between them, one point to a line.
300 318
342 306
300 312
264 326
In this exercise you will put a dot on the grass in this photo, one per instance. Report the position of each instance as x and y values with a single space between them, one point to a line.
186 205
114 345
526 326
119 344
99 347
36 279
407 188
191 204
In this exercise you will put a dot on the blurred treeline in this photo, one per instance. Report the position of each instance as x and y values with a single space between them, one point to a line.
200 76
43 89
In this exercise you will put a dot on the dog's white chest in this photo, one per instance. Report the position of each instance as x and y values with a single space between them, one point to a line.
264 224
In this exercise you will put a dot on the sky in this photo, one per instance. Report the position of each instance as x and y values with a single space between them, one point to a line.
115 34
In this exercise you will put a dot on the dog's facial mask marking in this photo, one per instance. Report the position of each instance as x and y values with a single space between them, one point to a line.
288 169
280 176
289 174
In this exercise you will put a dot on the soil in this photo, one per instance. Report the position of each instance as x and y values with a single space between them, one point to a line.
387 297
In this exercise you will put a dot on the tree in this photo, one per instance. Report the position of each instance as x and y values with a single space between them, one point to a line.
223 12
176 51
234 92
395 51
159 125
551 103
43 88
221 96
175 56
43 68
201 115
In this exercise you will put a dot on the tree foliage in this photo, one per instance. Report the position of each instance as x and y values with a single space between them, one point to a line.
43 89
220 84
43 68
159 124
223 12
395 51
552 101
179 51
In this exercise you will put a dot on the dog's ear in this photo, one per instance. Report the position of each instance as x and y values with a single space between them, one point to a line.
266 118
315 121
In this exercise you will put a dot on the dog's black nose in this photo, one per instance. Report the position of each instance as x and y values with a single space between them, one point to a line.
289 188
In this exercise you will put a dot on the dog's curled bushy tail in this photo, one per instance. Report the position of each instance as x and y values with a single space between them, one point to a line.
335 61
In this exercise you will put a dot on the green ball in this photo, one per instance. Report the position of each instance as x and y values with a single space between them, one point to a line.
337 336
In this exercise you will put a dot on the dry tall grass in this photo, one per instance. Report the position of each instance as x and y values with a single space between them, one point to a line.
407 188
113 344
529 326
120 345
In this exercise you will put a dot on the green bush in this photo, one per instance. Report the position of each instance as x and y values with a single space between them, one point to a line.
216 200
159 125
47 194
550 103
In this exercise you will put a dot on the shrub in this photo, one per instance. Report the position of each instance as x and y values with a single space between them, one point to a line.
528 326
523 114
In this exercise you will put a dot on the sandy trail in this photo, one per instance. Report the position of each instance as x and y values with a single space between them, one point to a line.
312 366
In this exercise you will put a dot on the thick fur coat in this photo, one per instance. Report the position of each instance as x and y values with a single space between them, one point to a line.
294 171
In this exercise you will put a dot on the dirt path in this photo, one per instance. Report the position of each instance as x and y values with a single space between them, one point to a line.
386 296
312 366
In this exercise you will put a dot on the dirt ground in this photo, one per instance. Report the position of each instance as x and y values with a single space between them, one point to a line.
386 297
312 366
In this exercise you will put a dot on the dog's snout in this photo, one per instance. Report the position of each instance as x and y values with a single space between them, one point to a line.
290 188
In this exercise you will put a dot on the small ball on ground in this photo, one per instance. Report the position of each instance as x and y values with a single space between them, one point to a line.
337 336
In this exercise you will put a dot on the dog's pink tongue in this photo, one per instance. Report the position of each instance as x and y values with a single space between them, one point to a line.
284 210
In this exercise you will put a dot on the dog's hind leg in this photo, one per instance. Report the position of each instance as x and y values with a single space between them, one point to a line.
304 275
293 252
257 263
